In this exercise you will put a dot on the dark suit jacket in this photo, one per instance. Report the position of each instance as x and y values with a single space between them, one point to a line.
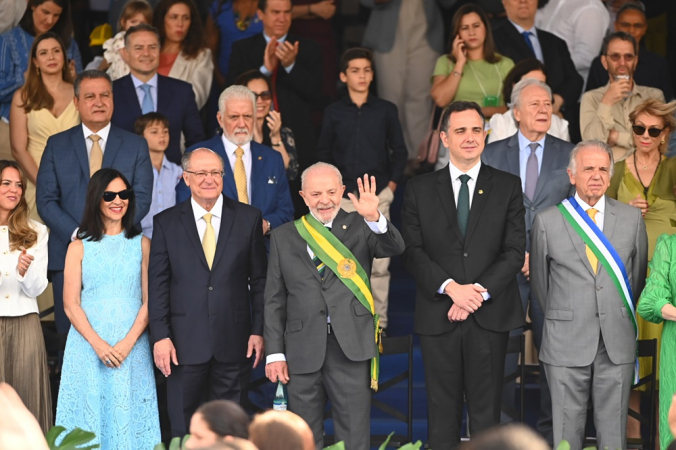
297 91
297 300
561 73
269 186
64 175
553 183
207 312
491 254
175 100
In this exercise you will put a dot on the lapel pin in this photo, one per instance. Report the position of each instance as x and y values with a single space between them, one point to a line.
481 191
344 227
260 157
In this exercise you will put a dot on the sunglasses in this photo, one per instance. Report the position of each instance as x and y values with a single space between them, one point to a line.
110 196
265 95
639 130
615 57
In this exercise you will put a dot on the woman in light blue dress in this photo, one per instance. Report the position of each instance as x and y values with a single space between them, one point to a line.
107 382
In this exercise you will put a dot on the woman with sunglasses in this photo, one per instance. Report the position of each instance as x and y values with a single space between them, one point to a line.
107 381
23 267
268 129
646 180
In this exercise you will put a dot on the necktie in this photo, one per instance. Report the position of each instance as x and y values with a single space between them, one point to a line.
147 106
240 177
463 204
209 240
593 260
526 35
531 171
275 102
95 155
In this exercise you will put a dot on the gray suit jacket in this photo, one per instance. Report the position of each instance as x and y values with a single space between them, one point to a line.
578 305
297 300
553 183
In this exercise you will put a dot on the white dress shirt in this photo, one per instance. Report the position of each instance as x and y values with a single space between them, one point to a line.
140 94
216 214
533 37
18 294
471 183
230 150
378 227
600 207
102 133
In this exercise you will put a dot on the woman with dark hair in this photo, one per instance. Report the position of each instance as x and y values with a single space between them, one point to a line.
214 421
40 17
472 71
23 244
503 125
41 108
268 129
184 53
107 381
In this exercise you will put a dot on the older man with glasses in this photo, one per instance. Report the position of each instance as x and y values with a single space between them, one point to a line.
604 112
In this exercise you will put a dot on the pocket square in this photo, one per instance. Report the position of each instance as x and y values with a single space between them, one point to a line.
272 180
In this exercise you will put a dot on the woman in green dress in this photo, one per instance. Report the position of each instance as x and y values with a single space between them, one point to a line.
646 180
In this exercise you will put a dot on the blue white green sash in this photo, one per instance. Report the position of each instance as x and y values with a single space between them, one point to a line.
599 244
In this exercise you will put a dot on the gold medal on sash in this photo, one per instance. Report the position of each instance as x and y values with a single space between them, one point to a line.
347 268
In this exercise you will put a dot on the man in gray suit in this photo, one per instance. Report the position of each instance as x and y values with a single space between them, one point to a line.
319 327
540 160
589 338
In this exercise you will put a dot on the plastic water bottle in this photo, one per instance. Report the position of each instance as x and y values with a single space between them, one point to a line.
280 402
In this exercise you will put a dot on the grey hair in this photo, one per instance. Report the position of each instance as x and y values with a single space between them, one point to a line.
318 166
90 75
515 100
185 159
235 92
592 143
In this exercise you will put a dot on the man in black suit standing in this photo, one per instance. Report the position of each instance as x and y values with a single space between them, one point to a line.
518 39
206 282
294 67
465 243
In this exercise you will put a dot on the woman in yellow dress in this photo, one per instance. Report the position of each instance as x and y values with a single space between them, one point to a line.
646 180
41 108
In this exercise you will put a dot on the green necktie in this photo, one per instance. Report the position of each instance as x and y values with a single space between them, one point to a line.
463 204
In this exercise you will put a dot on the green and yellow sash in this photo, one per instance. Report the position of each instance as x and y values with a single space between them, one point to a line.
337 257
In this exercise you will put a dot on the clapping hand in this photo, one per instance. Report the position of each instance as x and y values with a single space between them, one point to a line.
286 53
367 203
270 59
274 120
24 263
640 203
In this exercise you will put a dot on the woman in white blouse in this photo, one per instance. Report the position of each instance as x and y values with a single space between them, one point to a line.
23 276
503 125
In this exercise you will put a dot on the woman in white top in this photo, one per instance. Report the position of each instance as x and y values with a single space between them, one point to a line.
503 125
23 276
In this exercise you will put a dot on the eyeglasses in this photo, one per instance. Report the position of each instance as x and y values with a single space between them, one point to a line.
110 196
639 130
615 57
201 175
265 95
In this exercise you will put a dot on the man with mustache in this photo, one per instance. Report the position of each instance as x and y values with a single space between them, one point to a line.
319 312
255 174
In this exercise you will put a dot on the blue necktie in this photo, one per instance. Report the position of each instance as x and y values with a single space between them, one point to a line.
463 204
147 106
526 36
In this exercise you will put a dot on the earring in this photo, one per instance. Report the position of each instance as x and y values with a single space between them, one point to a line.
662 141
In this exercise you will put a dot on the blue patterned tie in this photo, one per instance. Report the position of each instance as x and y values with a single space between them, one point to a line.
148 106
463 204
526 36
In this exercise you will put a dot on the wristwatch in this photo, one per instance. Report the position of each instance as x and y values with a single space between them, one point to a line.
269 226
456 73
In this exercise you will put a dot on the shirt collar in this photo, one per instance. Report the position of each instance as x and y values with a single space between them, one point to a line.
522 29
600 206
102 133
524 143
348 100
152 82
327 225
230 147
165 162
473 172
198 211
280 40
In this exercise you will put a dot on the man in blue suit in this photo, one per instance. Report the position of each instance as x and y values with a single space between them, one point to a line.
256 177
144 91
69 160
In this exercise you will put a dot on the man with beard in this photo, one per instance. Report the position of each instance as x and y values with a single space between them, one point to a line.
319 312
604 112
255 174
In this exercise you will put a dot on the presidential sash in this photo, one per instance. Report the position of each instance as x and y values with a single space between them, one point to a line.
337 257
599 244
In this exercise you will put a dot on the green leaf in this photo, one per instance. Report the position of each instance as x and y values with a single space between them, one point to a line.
563 445
337 446
387 441
412 446
53 433
160 446
72 441
175 444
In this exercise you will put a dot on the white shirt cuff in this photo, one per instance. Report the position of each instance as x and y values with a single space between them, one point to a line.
379 226
288 69
264 70
485 295
443 286
73 236
275 357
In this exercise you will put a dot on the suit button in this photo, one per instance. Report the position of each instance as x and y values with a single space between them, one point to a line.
211 288
532 208
465 255
7 296
597 314
322 313
598 288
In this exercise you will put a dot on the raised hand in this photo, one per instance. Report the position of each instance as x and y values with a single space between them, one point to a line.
367 203
287 52
270 59
24 262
